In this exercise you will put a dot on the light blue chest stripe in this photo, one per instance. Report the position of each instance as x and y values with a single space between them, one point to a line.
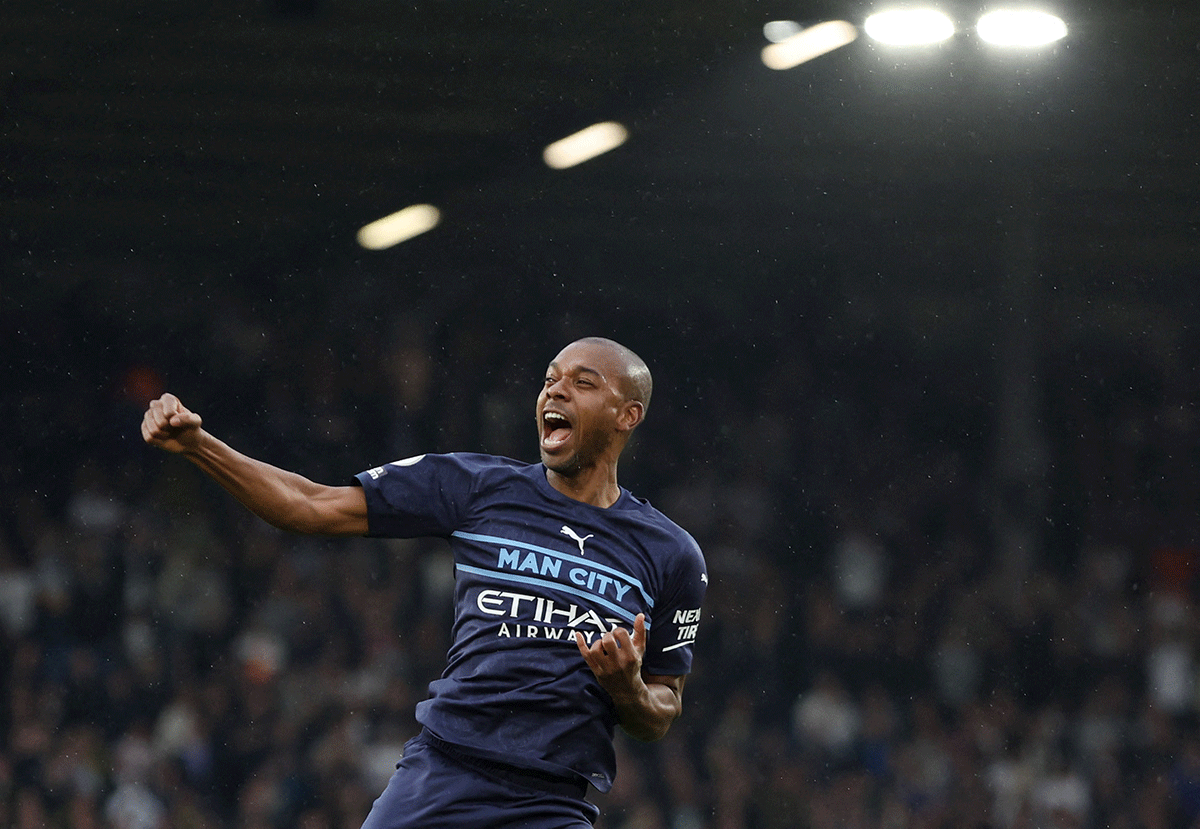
565 588
491 539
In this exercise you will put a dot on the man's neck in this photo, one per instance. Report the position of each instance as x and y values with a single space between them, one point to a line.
596 486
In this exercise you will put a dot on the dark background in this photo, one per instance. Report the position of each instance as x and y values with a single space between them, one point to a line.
919 319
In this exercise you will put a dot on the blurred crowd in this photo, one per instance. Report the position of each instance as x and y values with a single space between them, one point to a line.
870 655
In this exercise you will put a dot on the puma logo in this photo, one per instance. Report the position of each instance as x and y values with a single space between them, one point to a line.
570 533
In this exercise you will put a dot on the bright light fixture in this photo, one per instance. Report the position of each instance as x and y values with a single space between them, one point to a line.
1020 27
808 44
585 144
399 227
778 31
910 27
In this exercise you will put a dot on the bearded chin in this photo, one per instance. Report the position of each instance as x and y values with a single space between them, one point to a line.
585 455
563 466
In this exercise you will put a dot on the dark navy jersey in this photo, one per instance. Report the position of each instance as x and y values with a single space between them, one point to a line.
533 566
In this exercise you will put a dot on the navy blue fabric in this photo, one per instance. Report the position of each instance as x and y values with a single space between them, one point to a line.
432 790
532 567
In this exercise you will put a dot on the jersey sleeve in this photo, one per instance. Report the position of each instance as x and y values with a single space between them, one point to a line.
425 495
677 614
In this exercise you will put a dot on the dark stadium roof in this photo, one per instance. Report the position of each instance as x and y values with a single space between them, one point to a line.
231 137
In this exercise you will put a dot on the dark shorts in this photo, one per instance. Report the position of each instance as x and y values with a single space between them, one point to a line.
436 787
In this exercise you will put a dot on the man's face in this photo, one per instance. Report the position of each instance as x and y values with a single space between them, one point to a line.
580 407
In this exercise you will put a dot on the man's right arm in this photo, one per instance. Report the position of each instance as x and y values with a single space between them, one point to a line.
281 498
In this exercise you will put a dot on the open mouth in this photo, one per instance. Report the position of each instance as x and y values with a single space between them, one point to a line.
556 429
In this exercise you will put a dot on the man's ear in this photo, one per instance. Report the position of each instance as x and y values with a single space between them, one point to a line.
632 413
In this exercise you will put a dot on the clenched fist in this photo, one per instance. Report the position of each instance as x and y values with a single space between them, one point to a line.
170 425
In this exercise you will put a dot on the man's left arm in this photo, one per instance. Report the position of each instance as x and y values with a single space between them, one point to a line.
646 704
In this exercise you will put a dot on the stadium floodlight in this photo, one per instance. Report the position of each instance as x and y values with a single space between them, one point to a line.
778 31
808 44
399 226
585 144
1020 28
910 27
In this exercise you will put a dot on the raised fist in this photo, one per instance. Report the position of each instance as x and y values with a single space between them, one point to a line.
170 425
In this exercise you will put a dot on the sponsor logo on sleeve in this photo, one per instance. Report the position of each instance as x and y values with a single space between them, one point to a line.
686 623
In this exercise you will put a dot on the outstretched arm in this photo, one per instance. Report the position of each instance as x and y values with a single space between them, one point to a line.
281 498
646 704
